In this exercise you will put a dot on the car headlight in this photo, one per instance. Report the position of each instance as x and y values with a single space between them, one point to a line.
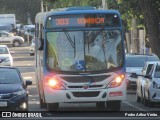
117 81
7 59
19 92
156 85
128 74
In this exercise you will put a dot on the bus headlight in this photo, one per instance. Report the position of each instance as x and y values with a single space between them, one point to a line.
117 81
54 83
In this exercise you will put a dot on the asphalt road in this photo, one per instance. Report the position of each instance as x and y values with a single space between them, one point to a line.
129 108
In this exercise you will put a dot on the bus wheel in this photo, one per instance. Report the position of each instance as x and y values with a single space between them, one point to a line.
113 105
51 107
100 105
42 104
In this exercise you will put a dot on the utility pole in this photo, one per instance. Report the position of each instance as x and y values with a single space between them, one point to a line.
104 4
42 9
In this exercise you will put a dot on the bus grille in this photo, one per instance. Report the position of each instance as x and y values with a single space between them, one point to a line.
90 86
86 94
79 79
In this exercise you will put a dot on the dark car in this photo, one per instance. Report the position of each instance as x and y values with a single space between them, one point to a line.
13 90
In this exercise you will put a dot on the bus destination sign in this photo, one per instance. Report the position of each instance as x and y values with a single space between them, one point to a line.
96 20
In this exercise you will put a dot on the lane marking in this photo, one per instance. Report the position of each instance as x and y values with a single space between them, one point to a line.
34 102
129 104
28 77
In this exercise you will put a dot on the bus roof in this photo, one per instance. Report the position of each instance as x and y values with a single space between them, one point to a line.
41 17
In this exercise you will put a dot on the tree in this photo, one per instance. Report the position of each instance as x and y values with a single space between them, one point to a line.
21 8
151 13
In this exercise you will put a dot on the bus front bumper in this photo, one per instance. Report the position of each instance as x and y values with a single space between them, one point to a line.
73 96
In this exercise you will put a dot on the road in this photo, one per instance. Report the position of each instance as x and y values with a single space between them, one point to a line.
26 64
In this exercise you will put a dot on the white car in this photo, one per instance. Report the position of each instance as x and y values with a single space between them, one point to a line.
5 56
134 65
141 81
9 39
32 47
151 86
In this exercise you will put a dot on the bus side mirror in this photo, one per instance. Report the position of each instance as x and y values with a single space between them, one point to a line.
40 44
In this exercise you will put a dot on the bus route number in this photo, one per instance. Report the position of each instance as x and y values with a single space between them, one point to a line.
63 21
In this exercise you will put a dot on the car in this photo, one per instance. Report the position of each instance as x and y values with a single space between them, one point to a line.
9 39
13 90
6 58
6 27
134 65
151 88
32 47
28 32
141 81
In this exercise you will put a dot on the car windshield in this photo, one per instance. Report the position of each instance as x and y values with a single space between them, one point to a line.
3 50
139 61
5 28
9 76
157 72
84 50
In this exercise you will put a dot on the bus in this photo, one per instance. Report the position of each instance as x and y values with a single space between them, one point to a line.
80 58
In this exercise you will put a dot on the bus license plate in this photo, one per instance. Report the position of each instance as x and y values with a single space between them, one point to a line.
3 104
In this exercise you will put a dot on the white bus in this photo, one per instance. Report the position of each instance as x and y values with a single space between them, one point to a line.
80 58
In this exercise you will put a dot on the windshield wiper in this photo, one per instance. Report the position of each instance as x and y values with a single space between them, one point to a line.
72 42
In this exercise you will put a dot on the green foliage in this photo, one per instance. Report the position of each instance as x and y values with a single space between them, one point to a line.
71 3
21 8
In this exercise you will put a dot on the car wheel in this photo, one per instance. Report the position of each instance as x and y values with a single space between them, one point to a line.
145 101
142 97
100 105
16 43
150 103
138 99
113 105
51 107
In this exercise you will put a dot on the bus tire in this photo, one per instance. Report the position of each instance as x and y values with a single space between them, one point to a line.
42 104
100 105
51 107
113 105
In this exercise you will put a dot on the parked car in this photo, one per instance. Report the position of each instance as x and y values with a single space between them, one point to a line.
28 31
141 81
151 86
9 39
32 47
13 90
5 56
134 65
6 27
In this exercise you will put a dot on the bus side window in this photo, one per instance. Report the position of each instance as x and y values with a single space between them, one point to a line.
41 38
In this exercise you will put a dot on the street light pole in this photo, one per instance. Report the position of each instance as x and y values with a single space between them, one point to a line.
104 4
42 9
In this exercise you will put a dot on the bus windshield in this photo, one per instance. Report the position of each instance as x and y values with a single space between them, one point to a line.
78 51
